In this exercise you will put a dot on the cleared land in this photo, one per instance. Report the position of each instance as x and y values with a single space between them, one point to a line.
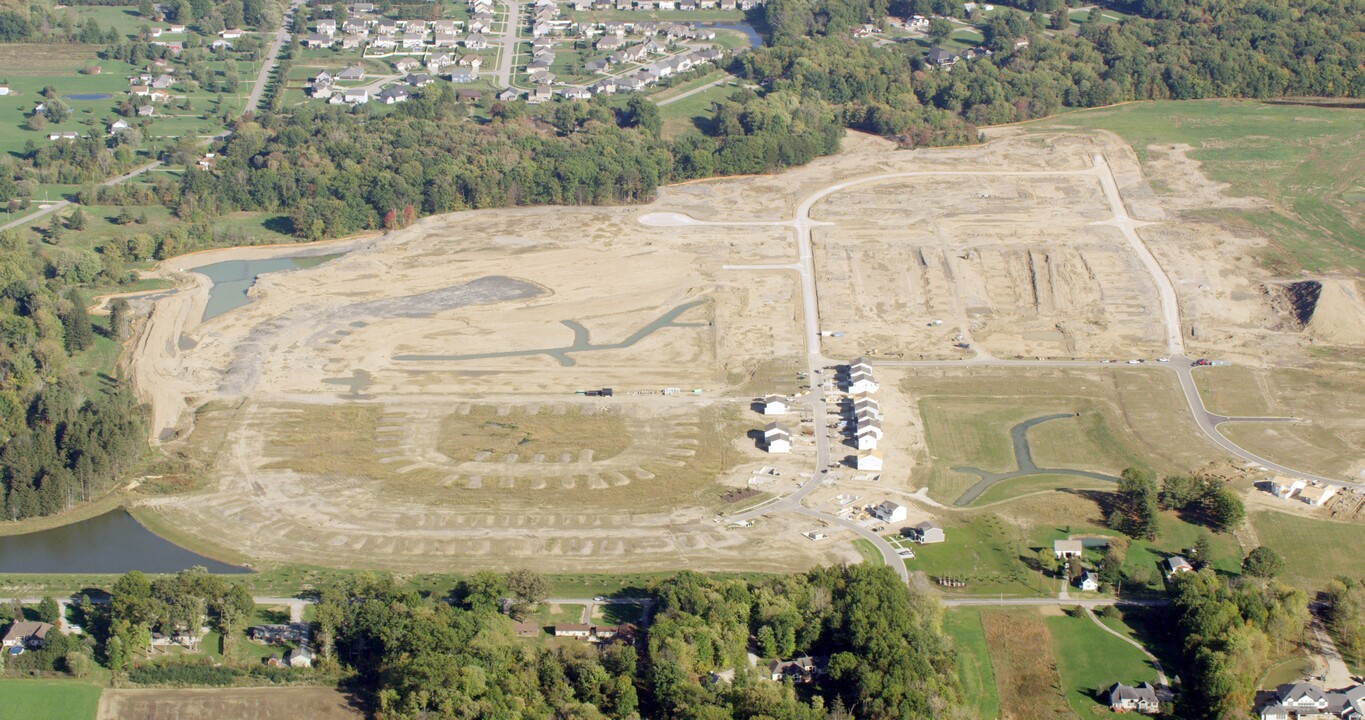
1290 173
235 703
1027 680
47 700
1331 443
409 404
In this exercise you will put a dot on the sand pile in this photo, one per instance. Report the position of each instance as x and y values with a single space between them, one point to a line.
1339 316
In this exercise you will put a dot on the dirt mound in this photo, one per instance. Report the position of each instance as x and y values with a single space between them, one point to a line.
1339 314
1303 299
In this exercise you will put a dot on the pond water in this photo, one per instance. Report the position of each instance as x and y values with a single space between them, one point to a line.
233 278
755 40
110 543
88 96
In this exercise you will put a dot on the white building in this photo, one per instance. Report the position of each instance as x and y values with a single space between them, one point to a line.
774 405
866 441
1284 488
862 381
1067 549
927 533
777 438
1088 581
889 512
1316 495
869 460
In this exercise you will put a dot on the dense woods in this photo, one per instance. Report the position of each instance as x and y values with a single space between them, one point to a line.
1174 49
1232 629
414 655
61 442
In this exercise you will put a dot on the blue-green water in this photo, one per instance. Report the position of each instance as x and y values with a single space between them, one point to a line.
233 278
110 543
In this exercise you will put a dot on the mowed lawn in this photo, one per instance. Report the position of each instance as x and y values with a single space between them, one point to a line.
1315 551
1306 160
974 670
47 700
1089 660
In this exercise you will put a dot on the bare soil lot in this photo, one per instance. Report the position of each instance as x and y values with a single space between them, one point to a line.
235 703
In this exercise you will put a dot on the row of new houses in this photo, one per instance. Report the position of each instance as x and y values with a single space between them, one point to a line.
1304 701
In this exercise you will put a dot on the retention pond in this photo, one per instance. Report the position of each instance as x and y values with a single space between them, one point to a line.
112 543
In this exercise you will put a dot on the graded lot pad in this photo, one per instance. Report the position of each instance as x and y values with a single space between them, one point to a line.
235 703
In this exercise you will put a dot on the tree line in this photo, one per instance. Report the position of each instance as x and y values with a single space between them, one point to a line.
1172 49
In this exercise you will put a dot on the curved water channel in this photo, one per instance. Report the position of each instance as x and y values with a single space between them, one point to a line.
1023 460
112 543
232 279
581 341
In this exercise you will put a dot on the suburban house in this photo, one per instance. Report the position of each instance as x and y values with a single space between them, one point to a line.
231 34
1316 495
395 94
296 633
508 95
862 404
573 630
941 58
327 26
356 96
526 629
926 533
419 79
869 460
1088 581
476 41
299 657
774 405
1302 701
1176 565
1066 549
318 40
352 73
866 439
889 512
1284 488
861 381
461 76
117 126
1125 698
26 634
799 670
407 65
777 438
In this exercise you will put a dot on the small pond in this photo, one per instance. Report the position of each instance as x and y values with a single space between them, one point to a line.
110 543
87 96
233 278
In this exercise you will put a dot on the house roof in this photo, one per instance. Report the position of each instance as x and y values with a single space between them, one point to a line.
927 526
1067 546
20 630
1142 693
1179 563
1300 691
888 507
774 399
773 428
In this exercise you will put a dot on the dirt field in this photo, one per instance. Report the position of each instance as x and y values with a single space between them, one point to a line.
413 403
234 703
1028 684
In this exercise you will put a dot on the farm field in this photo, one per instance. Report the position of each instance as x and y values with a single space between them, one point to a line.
47 700
235 703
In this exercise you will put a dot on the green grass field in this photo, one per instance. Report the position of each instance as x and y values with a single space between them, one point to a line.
1315 551
1305 160
1018 487
1089 660
974 670
690 113
871 555
47 700
984 552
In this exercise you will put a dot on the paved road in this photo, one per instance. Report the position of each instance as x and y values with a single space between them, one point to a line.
1043 602
508 57
726 78
1336 674
272 56
58 205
